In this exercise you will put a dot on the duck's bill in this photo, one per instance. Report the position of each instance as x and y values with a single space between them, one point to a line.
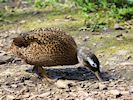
98 75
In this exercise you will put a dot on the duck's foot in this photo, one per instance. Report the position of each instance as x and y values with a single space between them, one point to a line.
42 75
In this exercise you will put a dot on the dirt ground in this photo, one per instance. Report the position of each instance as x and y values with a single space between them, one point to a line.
113 48
69 82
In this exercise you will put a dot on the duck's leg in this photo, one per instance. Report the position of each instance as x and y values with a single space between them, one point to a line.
41 72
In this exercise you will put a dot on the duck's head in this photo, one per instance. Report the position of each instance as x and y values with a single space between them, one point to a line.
90 61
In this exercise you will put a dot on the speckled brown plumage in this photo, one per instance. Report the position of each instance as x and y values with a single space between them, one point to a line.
46 47
52 47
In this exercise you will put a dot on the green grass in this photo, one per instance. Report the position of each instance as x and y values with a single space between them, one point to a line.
28 20
44 18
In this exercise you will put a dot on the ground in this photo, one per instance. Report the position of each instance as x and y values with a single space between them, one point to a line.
113 49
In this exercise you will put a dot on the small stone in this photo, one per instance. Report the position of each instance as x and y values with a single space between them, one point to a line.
95 86
10 97
6 88
118 27
46 94
86 39
131 90
14 86
1 44
102 86
5 58
3 97
125 92
115 93
88 98
93 93
29 83
26 95
82 95
63 84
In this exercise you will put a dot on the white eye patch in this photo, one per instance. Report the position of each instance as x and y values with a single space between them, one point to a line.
92 63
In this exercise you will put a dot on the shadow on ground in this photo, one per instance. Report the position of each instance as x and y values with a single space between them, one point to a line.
80 74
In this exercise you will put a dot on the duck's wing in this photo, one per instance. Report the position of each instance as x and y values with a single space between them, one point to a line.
44 36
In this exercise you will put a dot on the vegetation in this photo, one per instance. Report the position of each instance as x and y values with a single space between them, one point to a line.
98 14
103 14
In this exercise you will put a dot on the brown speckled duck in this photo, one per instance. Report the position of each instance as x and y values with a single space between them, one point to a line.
52 47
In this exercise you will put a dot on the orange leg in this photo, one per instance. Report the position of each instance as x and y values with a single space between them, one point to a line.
41 73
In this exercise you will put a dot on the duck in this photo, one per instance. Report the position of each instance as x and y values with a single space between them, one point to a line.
52 47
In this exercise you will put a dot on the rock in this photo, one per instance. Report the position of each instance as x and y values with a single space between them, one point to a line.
10 97
5 58
120 37
125 92
82 95
102 86
29 83
1 44
118 27
14 85
26 95
6 88
86 38
131 90
43 95
95 86
63 84
22 91
115 93
3 97
89 98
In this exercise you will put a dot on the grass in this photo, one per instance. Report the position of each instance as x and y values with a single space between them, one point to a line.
29 20
35 18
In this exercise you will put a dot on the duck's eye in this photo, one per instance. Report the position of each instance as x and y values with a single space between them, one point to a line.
94 65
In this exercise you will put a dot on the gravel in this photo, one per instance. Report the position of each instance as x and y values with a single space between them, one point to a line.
71 83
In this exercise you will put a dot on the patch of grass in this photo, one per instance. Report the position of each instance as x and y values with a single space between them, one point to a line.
110 45
106 44
101 15
36 18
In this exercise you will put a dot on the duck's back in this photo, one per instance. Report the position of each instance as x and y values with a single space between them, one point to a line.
46 47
